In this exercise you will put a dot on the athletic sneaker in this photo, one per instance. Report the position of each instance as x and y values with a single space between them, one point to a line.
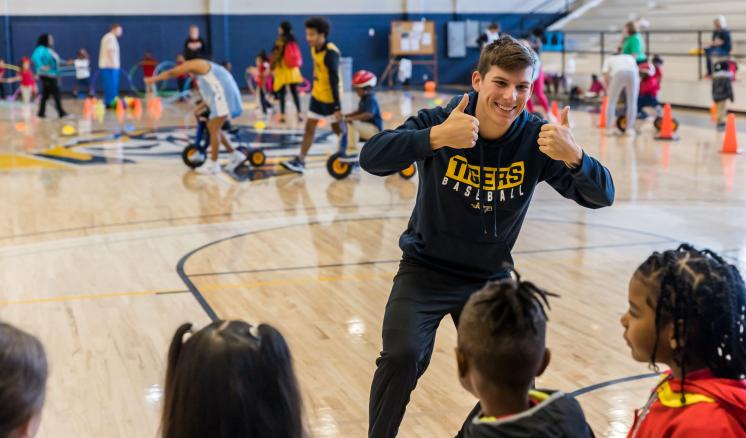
613 132
209 168
236 159
294 165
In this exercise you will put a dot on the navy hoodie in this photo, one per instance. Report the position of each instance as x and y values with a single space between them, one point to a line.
559 416
468 214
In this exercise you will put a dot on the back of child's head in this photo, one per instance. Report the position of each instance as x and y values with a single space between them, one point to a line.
594 78
704 297
230 379
23 379
505 323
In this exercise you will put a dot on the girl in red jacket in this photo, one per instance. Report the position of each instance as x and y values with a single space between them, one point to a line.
687 310
650 85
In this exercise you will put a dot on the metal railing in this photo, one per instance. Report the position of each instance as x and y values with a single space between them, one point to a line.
702 37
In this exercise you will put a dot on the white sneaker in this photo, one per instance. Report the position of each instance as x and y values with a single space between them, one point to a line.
209 168
236 159
612 132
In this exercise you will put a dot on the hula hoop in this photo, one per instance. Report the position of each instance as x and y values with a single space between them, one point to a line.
305 87
172 96
94 79
160 88
66 71
13 96
15 68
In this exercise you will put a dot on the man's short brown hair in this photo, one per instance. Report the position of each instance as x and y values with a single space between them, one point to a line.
507 53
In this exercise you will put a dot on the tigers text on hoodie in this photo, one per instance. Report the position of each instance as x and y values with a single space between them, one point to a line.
471 203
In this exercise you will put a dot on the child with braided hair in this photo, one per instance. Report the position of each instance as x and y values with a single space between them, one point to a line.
501 350
687 310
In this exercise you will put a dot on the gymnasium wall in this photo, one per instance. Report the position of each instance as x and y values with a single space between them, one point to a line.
238 30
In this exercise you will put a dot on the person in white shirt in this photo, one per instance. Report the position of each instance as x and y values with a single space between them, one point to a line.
621 74
108 64
491 34
82 65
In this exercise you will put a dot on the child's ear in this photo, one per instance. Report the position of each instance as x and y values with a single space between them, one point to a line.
667 337
544 362
462 363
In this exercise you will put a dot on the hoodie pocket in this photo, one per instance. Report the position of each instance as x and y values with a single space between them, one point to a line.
481 254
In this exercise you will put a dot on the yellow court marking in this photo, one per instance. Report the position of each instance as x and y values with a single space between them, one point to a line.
63 152
210 288
17 161
299 280
81 297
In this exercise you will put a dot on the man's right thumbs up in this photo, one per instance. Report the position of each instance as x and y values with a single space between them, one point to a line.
462 104
459 131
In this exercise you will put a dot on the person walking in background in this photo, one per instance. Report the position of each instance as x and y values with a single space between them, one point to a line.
491 34
148 64
286 61
721 43
28 83
82 65
632 44
46 63
621 75
109 63
194 46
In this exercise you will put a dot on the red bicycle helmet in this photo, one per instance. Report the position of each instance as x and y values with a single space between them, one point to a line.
364 78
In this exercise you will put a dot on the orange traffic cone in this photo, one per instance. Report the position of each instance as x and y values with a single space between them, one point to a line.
730 143
137 108
604 107
666 132
714 112
555 111
87 107
120 110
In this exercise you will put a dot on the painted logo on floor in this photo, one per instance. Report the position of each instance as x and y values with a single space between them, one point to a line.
165 143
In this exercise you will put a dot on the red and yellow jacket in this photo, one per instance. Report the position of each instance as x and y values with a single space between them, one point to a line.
713 407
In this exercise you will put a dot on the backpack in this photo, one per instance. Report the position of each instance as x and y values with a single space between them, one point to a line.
292 55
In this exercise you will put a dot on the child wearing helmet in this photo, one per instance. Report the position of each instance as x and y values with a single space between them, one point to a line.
366 121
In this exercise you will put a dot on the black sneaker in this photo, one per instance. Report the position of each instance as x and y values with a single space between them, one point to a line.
294 165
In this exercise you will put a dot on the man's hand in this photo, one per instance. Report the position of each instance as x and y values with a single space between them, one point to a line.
459 131
557 142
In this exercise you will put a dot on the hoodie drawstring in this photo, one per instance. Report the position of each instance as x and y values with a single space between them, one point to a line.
481 186
497 187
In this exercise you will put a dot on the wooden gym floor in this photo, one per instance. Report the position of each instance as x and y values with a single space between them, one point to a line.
107 239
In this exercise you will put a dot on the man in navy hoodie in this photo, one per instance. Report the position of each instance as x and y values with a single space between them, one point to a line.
479 161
